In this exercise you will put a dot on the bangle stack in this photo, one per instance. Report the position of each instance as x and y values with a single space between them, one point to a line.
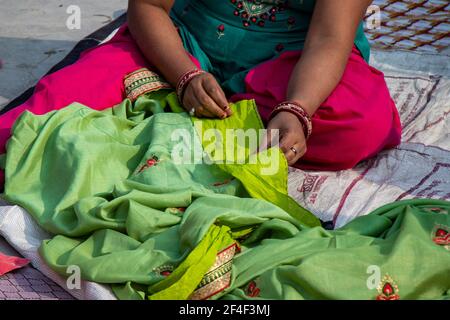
297 110
184 81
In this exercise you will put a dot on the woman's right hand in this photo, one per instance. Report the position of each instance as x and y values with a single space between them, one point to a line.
204 94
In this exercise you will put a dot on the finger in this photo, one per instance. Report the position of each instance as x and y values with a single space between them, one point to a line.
295 152
201 112
206 102
213 89
287 142
271 138
301 150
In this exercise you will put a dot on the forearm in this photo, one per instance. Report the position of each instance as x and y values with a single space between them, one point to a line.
158 39
317 73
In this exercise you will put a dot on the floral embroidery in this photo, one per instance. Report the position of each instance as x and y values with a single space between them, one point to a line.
153 161
291 22
219 184
218 277
143 81
388 289
279 47
220 31
164 270
441 236
436 210
176 211
252 290
258 11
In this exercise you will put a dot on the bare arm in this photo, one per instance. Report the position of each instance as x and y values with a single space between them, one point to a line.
327 48
158 39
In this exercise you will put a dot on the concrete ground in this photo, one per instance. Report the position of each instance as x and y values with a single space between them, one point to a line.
34 37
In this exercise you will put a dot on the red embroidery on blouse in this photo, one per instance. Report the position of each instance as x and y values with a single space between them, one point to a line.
258 11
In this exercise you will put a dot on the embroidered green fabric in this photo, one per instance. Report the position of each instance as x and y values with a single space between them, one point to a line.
106 185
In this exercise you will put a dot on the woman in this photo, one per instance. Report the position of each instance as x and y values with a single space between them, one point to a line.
311 54
253 47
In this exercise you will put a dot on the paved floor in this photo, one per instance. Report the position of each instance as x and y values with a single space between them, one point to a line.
34 36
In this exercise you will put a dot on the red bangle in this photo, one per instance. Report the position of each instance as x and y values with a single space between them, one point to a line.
184 81
297 110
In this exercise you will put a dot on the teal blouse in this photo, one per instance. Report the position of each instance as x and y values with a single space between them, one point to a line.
230 37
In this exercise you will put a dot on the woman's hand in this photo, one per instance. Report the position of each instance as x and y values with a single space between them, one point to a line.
292 137
206 97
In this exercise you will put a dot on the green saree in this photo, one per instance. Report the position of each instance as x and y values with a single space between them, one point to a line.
127 214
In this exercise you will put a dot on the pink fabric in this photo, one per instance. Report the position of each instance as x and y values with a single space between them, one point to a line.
8 263
358 120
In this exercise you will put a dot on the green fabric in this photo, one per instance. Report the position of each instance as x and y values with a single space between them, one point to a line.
229 53
228 154
78 172
319 264
183 281
2 161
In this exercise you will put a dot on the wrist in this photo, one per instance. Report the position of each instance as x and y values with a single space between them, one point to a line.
304 105
184 81
298 111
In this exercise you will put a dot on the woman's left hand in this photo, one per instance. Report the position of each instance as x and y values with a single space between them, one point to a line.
292 138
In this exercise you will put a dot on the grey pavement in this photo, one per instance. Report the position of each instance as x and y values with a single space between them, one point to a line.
34 37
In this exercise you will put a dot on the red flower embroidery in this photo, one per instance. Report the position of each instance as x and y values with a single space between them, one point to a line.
164 270
441 236
220 31
291 22
219 184
387 289
256 11
436 210
279 47
153 161
252 290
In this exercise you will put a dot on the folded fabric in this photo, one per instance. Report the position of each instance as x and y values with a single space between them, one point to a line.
107 186
127 213
8 263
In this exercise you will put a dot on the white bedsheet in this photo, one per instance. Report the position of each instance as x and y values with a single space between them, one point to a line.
418 168
20 230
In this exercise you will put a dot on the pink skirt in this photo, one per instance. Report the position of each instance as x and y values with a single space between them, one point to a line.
357 121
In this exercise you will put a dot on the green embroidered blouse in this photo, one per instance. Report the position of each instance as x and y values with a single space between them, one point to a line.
230 37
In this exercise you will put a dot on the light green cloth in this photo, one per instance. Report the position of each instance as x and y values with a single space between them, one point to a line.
395 240
77 171
184 280
81 174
